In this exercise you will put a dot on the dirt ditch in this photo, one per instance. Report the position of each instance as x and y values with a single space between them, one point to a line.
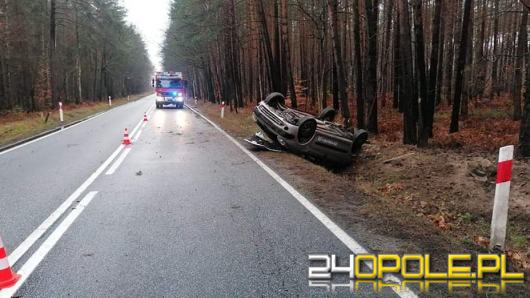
401 199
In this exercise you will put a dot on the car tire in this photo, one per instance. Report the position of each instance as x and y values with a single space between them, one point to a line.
157 106
307 128
275 100
327 114
360 138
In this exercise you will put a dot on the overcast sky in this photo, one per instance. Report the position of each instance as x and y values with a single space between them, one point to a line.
151 18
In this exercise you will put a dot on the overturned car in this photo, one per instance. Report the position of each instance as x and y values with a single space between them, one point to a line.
316 137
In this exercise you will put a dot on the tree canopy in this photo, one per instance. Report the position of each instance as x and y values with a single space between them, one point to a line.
69 51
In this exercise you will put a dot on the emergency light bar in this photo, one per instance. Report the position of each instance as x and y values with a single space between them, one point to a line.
169 75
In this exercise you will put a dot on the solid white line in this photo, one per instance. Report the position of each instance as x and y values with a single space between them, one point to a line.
47 245
135 138
60 131
52 134
118 161
353 245
148 113
122 157
46 224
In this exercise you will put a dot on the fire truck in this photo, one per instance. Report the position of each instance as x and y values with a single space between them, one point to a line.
170 89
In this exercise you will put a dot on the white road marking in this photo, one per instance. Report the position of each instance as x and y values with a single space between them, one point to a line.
134 139
59 131
47 245
353 245
124 154
141 124
46 224
52 134
118 161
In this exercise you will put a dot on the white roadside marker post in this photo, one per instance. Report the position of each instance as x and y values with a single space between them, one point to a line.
61 114
222 110
110 101
499 218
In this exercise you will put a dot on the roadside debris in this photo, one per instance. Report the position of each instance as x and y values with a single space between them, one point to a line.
481 167
260 140
398 157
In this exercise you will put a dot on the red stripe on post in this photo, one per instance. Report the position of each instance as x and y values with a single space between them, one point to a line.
504 171
3 253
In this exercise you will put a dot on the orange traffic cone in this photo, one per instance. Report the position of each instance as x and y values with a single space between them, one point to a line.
145 118
126 139
7 277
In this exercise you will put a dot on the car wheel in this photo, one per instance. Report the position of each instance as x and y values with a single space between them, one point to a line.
157 106
306 129
327 114
275 100
361 137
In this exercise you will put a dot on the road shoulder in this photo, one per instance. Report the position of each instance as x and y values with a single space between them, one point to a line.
365 205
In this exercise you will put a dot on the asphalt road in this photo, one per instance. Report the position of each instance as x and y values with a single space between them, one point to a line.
183 212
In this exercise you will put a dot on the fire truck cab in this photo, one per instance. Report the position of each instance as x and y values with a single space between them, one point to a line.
170 89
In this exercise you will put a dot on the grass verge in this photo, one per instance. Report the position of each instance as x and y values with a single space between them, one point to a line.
16 126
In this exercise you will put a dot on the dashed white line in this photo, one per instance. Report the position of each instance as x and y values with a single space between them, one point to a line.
353 245
47 245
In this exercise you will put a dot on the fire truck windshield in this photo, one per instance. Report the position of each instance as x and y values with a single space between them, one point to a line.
165 83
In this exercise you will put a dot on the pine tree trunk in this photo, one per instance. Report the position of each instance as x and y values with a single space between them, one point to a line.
407 93
371 80
424 100
286 52
274 73
468 69
278 53
522 47
433 70
495 63
524 136
52 46
79 96
448 75
357 65
396 104
441 66
460 66
341 82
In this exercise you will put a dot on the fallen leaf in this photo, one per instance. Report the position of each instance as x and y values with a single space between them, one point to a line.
481 241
